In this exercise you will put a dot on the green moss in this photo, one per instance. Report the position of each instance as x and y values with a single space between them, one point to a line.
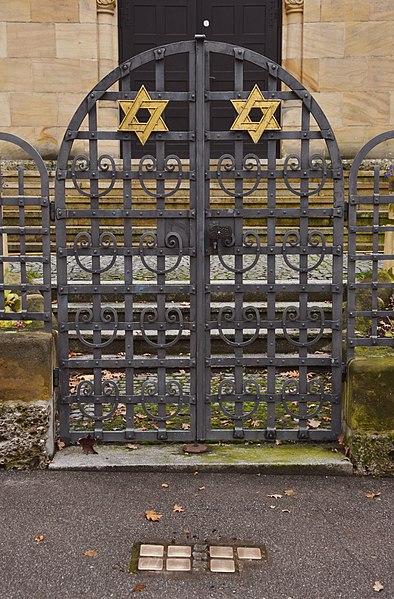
373 453
134 558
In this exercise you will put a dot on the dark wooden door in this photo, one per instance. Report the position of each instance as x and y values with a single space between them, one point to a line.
254 24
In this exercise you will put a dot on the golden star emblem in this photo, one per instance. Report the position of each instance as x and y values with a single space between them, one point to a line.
243 122
131 122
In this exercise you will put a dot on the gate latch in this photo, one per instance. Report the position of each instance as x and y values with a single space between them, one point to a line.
218 232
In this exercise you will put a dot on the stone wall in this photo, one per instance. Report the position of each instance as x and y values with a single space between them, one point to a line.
343 51
53 52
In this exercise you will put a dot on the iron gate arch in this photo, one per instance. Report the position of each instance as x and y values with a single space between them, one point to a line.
203 297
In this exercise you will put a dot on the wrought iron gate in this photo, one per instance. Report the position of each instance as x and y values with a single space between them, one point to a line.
200 298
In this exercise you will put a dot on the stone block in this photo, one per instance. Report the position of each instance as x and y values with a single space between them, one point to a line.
332 106
35 109
87 11
16 10
31 40
59 11
15 74
48 77
381 73
324 40
312 11
76 40
343 74
89 74
382 10
369 39
311 73
5 110
362 109
26 365
3 40
345 10
67 105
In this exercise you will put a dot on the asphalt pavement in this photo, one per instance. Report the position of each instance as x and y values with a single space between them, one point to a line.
331 537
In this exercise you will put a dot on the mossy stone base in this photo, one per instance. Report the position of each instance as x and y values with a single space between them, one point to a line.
373 453
26 366
369 413
23 435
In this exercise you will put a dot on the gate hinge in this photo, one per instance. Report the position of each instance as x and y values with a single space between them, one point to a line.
52 211
55 377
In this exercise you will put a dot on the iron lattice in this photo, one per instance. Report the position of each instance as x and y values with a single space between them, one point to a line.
184 324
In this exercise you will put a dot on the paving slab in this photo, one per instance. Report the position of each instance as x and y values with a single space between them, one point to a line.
268 459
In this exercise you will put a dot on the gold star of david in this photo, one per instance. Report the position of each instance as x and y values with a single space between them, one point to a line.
131 122
243 122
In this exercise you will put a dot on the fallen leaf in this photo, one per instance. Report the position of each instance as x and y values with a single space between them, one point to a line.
131 446
278 442
341 439
195 473
90 553
177 508
138 588
87 444
185 426
275 496
165 485
60 444
372 495
314 423
152 516
182 372
378 586
287 511
39 538
273 507
289 492
293 374
186 531
201 488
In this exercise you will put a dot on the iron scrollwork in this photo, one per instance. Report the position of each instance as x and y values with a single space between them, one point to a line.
85 316
291 394
250 393
171 164
227 164
150 241
315 239
150 393
109 394
173 316
105 164
227 316
315 315
292 170
248 240
107 242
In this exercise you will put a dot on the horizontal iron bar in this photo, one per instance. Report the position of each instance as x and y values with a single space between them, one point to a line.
122 289
121 363
23 201
267 135
251 361
25 316
130 434
298 287
380 199
274 212
25 231
370 341
126 136
24 287
97 399
123 214
160 252
162 95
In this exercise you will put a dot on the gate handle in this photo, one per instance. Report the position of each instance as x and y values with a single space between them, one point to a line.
218 232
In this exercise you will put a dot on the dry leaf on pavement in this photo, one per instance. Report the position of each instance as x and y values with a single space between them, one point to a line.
201 488
131 446
378 586
152 516
90 553
287 511
314 423
165 485
177 508
39 538
138 588
60 444
289 492
87 444
372 495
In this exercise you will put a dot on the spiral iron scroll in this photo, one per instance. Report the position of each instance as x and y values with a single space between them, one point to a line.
293 239
173 316
227 316
105 164
250 393
107 241
292 165
85 316
149 240
171 163
109 394
315 315
150 393
227 164
248 239
291 389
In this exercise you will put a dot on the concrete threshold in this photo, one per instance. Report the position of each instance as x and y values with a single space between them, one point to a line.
294 458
